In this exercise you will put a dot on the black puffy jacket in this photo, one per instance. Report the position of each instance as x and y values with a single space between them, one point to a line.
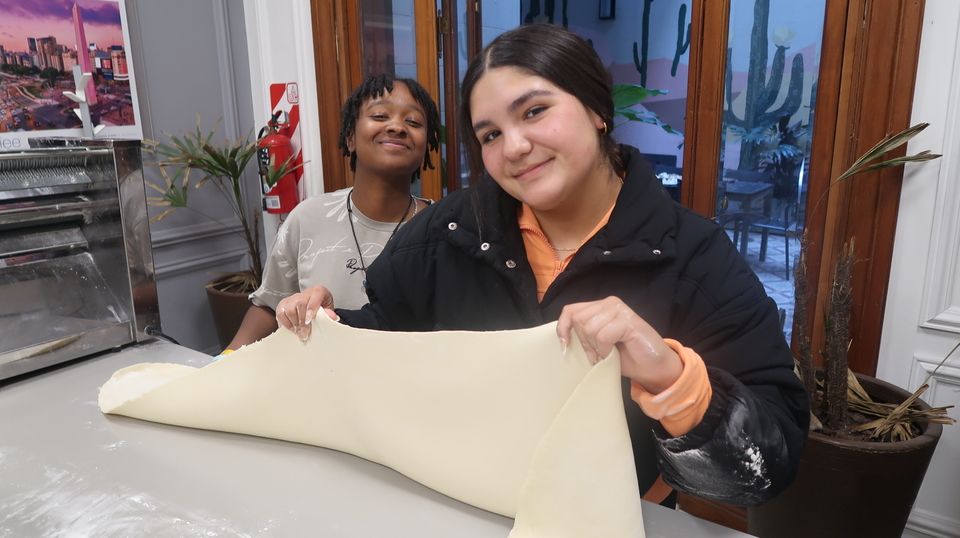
461 265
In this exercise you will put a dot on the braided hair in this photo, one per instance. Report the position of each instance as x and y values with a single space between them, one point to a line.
373 87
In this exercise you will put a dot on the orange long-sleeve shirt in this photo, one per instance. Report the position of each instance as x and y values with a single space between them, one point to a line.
681 406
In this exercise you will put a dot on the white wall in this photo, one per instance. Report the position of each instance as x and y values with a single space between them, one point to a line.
216 58
922 318
279 37
190 58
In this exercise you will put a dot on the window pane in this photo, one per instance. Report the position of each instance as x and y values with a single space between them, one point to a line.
771 84
498 16
645 46
389 44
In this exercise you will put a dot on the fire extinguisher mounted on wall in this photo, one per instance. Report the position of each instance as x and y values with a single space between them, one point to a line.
275 159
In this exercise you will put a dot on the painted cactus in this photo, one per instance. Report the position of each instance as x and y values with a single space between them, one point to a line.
762 91
683 39
641 50
640 53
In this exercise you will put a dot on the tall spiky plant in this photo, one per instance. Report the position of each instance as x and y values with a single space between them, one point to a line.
222 165
839 384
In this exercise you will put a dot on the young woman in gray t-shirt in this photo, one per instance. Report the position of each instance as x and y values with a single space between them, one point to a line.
387 127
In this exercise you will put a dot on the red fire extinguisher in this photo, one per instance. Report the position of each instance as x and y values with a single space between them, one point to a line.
273 151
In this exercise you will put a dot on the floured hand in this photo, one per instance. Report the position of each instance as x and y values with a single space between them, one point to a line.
296 312
601 325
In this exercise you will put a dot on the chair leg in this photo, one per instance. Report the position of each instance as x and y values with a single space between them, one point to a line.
763 244
786 250
744 238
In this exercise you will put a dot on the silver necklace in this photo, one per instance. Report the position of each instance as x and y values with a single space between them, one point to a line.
363 265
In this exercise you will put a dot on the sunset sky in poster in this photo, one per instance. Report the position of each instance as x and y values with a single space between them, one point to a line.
21 19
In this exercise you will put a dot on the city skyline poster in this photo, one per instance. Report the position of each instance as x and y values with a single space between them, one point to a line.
40 43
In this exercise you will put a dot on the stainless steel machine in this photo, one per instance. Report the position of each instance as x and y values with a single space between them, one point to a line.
76 268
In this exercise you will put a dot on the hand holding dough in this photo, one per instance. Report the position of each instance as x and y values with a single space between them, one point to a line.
607 323
505 421
296 312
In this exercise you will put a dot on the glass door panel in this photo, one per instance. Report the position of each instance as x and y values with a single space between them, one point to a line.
389 45
389 41
770 88
497 16
645 46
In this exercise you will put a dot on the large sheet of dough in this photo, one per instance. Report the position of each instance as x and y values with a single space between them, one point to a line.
505 421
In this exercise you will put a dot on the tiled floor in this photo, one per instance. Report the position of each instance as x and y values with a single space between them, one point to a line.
772 271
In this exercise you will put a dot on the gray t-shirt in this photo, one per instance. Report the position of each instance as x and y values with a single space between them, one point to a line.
316 246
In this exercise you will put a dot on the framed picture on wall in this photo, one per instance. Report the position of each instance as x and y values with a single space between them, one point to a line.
608 9
40 43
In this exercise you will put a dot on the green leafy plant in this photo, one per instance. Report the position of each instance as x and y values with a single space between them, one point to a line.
837 392
626 99
783 152
221 165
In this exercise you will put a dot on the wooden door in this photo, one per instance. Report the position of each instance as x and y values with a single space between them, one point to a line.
353 38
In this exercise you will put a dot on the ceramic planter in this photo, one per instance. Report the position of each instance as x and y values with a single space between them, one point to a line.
851 488
228 309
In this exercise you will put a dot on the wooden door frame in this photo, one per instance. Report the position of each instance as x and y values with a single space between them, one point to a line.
710 20
428 75
865 91
451 62
862 72
874 97
338 57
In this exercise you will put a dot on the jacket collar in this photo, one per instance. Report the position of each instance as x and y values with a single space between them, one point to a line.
644 210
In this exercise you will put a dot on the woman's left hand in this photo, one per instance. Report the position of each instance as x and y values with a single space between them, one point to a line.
601 325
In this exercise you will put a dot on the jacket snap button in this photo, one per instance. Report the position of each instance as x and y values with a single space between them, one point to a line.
607 253
452 225
511 264
485 246
656 252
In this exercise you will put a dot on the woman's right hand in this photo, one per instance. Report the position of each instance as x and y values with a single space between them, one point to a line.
296 312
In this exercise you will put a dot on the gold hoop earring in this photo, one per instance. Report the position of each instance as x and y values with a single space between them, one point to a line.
605 129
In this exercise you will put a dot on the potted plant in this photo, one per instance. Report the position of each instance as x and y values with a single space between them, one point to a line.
781 156
870 442
222 165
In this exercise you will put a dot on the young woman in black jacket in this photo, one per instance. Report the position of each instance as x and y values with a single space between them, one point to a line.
566 225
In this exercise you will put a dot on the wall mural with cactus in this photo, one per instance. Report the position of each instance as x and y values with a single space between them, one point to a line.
764 85
768 109
770 79
645 45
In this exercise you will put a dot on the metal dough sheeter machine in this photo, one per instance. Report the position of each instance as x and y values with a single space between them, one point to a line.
76 268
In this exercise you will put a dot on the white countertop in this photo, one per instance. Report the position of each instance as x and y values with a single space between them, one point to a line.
68 470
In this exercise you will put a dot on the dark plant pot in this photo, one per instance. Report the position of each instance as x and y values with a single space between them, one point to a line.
851 488
228 309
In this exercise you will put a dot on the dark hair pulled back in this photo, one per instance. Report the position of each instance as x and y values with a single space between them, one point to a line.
552 53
